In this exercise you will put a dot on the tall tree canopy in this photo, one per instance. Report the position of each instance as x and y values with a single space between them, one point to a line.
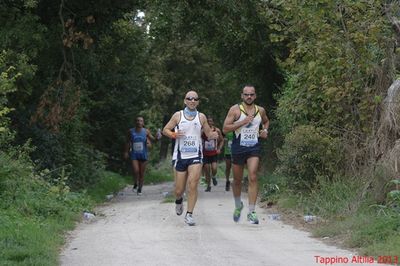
75 74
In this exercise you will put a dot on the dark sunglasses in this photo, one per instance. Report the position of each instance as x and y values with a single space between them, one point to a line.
192 99
249 94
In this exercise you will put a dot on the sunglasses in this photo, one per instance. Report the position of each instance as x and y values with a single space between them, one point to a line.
249 94
192 99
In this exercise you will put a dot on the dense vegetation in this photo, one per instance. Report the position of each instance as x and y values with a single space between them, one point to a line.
74 74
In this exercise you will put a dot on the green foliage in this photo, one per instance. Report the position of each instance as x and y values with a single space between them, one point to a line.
8 77
32 212
333 199
347 216
307 155
35 213
393 197
117 85
374 229
368 231
160 173
72 102
270 192
24 191
86 163
108 183
337 66
24 242
213 47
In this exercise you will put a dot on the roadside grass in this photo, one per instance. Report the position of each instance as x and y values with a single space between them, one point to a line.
155 173
367 231
161 172
35 214
344 217
28 241
110 183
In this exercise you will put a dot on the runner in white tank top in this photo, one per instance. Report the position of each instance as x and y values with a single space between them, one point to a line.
244 120
190 145
188 165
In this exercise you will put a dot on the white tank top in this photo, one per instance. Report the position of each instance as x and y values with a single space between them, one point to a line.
190 145
249 133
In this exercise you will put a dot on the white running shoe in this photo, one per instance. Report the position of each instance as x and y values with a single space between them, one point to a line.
179 208
189 219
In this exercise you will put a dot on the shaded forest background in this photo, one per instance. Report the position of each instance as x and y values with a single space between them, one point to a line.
74 74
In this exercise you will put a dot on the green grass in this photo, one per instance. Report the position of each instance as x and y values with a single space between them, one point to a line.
370 232
347 217
160 174
35 214
288 201
154 174
330 199
32 240
109 183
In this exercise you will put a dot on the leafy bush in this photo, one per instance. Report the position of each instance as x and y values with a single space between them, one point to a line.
308 154
28 193
37 207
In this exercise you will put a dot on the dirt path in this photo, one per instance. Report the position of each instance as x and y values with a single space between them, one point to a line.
142 230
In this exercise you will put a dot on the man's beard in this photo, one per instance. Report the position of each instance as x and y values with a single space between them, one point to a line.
249 103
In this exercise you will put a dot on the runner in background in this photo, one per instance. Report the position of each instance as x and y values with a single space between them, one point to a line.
136 148
228 137
211 149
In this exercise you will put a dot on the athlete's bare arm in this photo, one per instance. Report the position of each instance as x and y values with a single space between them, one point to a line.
230 123
167 130
265 123
220 140
149 138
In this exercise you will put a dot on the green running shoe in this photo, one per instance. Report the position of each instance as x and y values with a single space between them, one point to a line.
252 217
236 213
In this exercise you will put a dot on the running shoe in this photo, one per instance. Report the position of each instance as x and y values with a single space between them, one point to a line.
252 217
189 219
134 188
227 185
215 182
139 191
208 189
179 208
236 213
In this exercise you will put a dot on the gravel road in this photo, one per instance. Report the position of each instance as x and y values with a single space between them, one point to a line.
144 230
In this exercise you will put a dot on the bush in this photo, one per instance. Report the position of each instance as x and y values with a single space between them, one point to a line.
29 194
308 153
